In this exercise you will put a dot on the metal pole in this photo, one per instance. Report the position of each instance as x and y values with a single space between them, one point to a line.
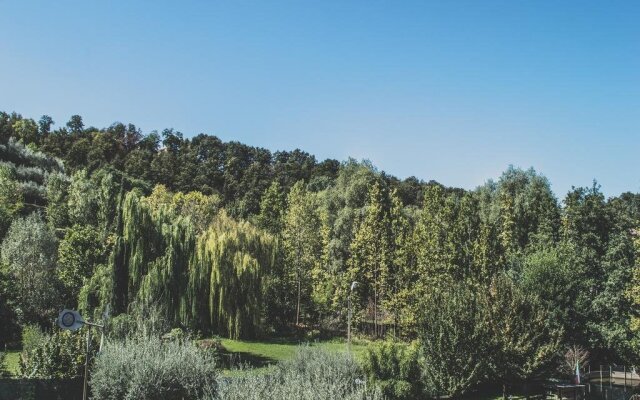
349 321
353 285
601 390
86 364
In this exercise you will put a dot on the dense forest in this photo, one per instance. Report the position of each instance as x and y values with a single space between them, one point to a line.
232 240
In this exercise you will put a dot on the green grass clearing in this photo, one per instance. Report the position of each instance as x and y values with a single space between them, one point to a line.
260 354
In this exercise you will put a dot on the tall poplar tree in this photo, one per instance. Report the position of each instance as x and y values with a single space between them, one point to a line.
402 258
371 253
272 208
302 242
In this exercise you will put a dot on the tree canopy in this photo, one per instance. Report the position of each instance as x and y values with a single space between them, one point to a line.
234 240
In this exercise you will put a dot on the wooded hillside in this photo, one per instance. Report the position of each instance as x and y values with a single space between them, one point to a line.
234 240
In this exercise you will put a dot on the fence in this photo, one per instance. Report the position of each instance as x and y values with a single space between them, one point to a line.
617 373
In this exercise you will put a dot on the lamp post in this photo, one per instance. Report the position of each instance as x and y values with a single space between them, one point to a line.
353 285
72 320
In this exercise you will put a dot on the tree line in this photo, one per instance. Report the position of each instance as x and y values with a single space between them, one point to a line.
237 241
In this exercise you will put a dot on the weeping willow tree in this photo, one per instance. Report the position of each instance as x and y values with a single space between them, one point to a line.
211 281
226 276
151 259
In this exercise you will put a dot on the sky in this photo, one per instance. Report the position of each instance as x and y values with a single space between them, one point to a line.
454 91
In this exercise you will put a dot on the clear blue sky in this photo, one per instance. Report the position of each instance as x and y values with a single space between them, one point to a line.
448 90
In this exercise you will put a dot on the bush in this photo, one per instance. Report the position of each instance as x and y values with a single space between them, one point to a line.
394 367
139 322
57 356
3 365
175 334
32 337
312 374
454 340
148 368
483 334
121 326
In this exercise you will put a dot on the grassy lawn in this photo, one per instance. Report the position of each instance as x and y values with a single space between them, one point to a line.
12 362
262 353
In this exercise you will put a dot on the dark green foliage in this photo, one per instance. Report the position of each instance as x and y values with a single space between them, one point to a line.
524 342
75 124
395 368
44 125
272 208
472 334
455 340
9 329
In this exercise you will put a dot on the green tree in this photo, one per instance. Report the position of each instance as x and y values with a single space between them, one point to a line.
633 296
57 192
11 198
200 208
402 259
44 125
83 199
9 329
548 274
302 243
28 254
587 226
26 130
435 249
454 338
79 253
272 208
371 254
227 279
75 124
524 341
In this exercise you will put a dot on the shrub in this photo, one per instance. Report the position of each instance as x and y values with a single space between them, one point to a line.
454 340
140 322
175 334
477 334
57 356
148 368
32 337
312 374
3 365
394 367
